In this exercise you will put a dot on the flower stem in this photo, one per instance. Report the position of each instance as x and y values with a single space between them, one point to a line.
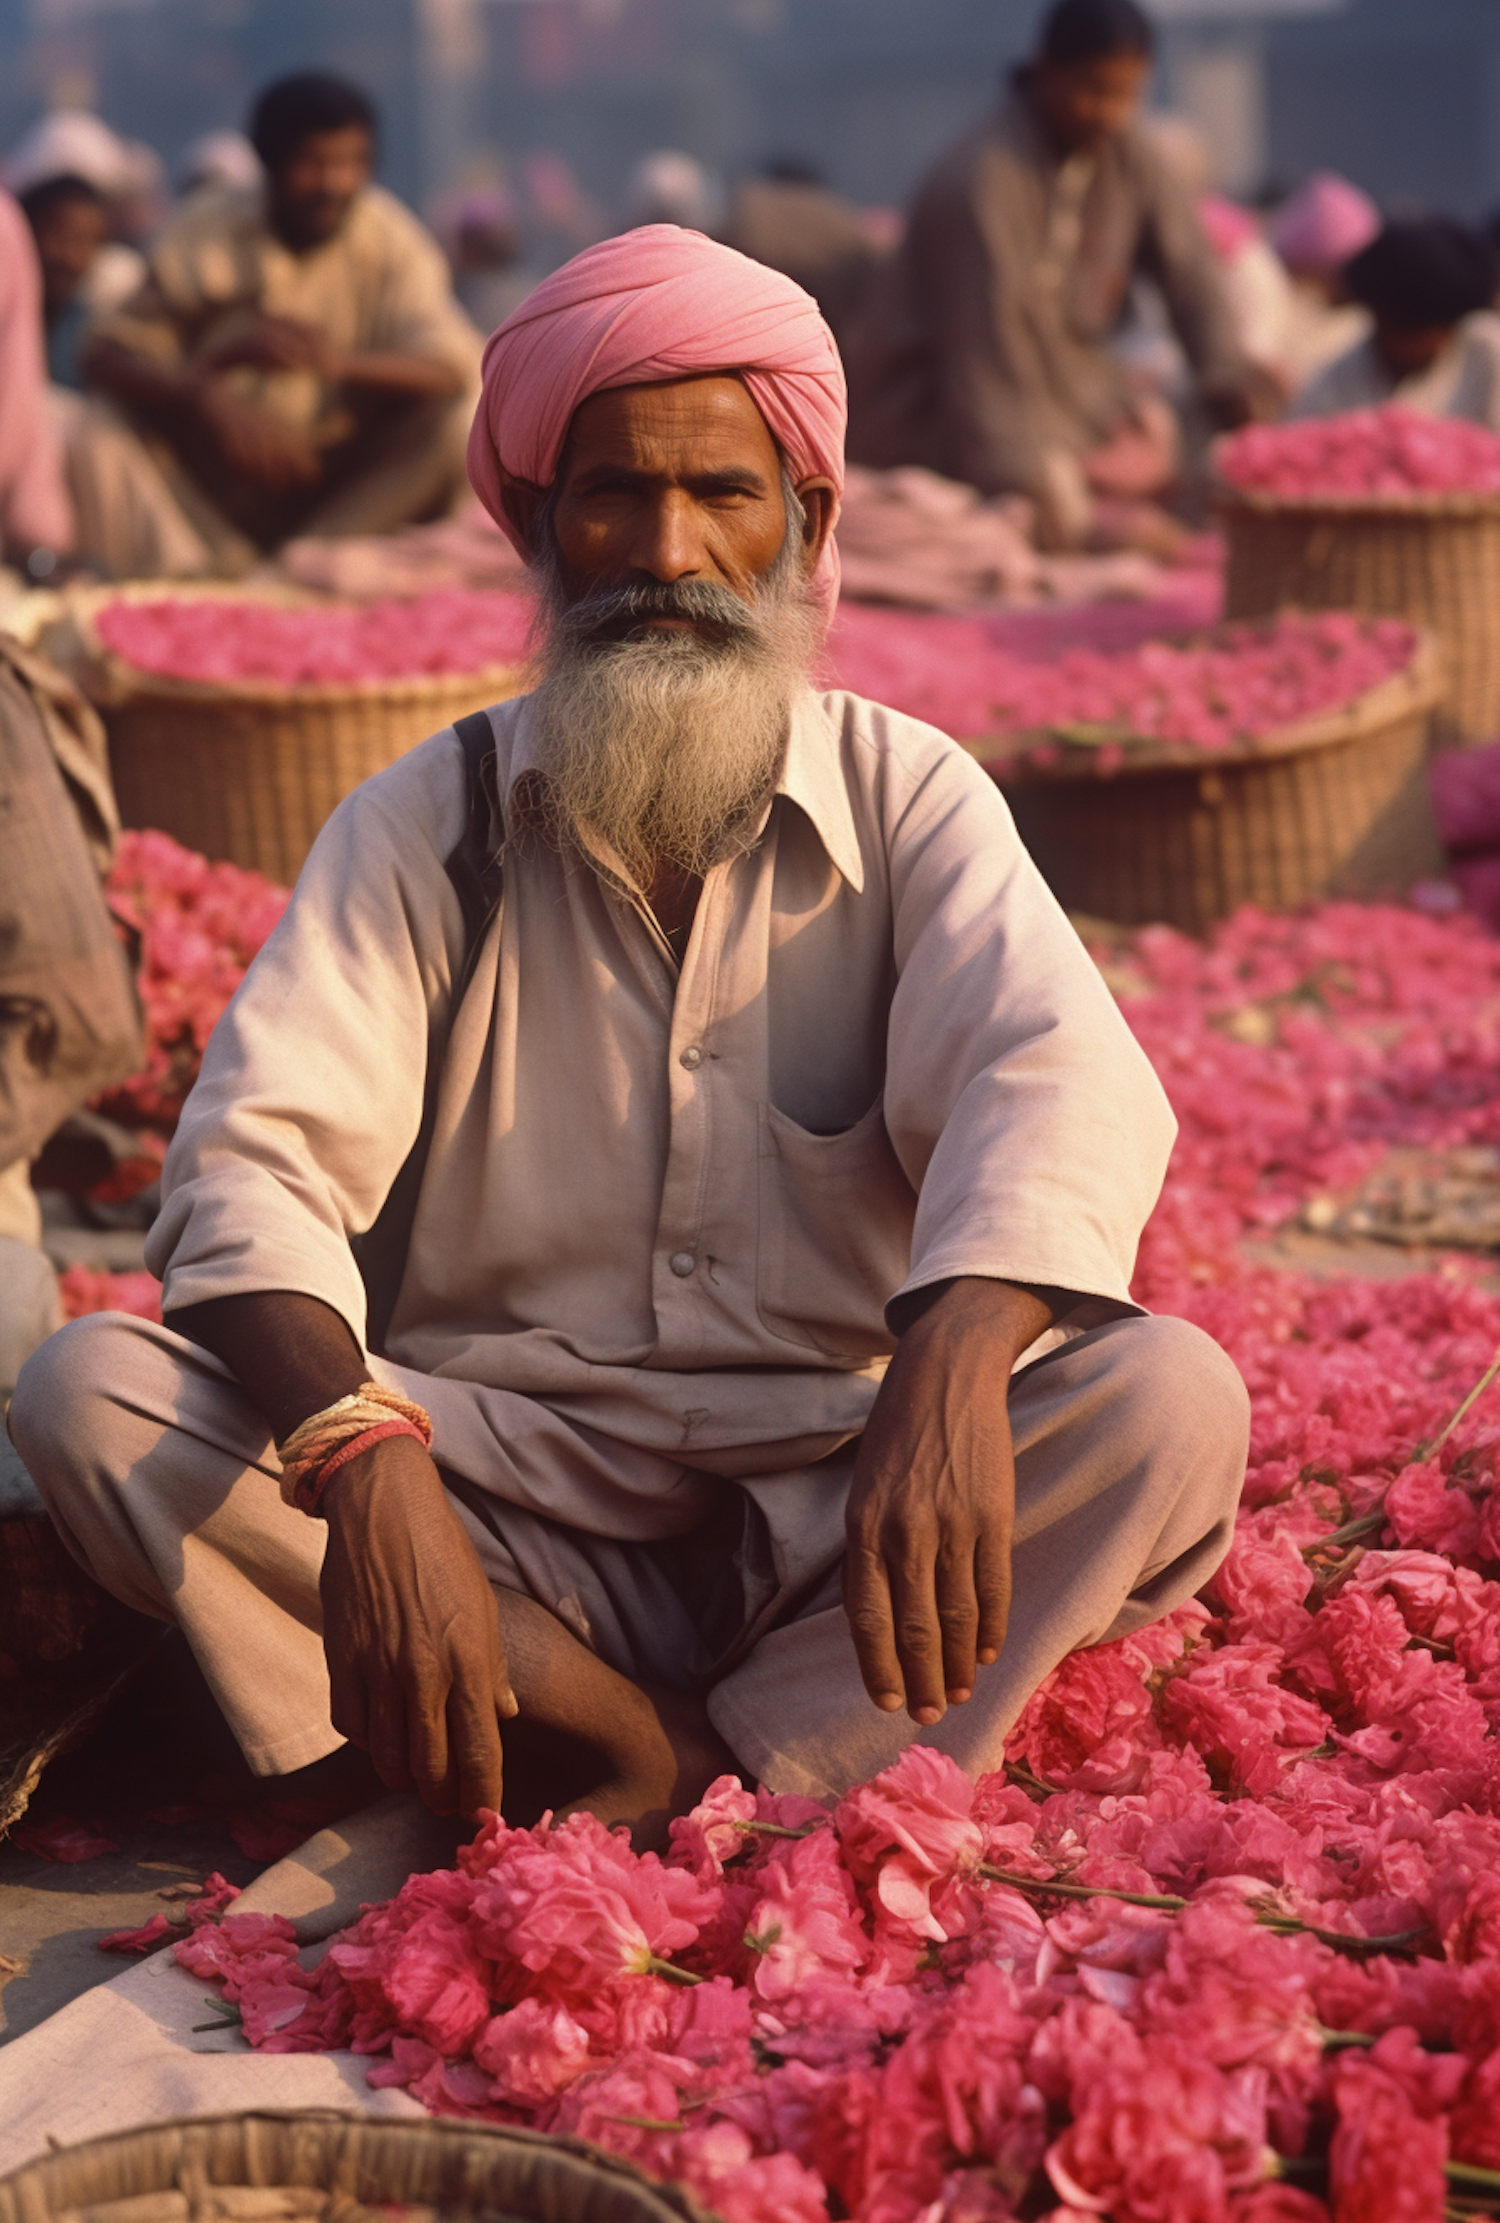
1425 1452
777 1829
674 1975
1054 1886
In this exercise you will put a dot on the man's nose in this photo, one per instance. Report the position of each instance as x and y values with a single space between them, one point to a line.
668 541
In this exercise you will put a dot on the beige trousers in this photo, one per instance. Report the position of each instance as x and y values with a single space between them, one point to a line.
142 513
1130 1452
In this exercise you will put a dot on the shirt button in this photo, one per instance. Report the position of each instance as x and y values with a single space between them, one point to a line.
682 1263
692 1057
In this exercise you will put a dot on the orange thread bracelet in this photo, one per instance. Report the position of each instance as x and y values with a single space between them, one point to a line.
310 1493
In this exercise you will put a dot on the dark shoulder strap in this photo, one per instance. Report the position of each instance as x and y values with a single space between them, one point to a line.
475 867
474 864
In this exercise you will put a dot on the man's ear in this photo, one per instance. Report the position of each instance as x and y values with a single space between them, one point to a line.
820 513
521 502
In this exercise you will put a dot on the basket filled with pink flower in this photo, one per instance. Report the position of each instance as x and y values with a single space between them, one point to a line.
239 717
1269 763
1381 511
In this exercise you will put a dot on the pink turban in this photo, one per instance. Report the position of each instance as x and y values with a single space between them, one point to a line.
1324 223
657 303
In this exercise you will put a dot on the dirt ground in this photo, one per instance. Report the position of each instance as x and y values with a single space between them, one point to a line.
163 1781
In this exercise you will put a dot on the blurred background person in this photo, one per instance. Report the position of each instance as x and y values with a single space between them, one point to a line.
985 352
790 218
217 158
670 187
36 518
83 270
1316 233
480 231
294 364
1428 284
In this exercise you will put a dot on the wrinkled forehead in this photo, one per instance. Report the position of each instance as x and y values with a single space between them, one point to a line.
708 424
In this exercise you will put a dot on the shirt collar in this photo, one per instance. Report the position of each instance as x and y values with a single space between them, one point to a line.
812 777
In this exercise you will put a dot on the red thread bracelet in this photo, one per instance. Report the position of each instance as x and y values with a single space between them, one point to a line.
308 1500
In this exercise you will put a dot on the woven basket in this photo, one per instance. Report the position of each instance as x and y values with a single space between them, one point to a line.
1433 559
1335 806
248 772
346 2169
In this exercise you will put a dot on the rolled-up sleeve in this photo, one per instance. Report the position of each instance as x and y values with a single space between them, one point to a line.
311 1090
1025 1114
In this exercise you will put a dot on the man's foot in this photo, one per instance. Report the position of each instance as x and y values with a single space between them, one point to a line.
590 1741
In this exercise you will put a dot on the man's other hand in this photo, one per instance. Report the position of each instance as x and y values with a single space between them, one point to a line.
255 443
274 343
932 1505
415 1660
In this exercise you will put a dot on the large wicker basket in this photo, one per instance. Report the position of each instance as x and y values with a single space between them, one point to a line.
1433 559
269 2165
1335 806
248 772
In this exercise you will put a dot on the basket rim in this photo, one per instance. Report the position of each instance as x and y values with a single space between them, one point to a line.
111 680
1447 502
1418 687
430 2130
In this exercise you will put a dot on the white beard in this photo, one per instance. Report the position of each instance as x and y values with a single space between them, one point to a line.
665 747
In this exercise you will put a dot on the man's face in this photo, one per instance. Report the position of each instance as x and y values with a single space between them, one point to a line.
680 621
313 186
674 482
69 236
1086 104
1411 349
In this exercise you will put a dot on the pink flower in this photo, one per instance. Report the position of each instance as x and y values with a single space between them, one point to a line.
533 2052
806 1922
1385 2161
1168 2143
716 1830
908 1831
574 1907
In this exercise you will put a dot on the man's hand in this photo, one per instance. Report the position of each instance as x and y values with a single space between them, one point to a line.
415 1659
927 1565
275 343
255 443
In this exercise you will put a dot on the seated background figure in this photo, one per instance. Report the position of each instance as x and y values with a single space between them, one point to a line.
1435 347
984 350
721 1110
294 363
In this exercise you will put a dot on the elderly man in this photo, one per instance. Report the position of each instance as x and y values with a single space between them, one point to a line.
293 363
984 353
772 1117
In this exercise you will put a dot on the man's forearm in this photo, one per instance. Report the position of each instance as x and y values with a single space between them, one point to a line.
291 1354
420 377
140 380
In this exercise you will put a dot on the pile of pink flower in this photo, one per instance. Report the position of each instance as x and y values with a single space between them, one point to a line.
1245 682
197 926
1221 1942
228 640
1389 451
975 676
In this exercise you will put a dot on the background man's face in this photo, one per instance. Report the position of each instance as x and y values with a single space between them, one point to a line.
1409 349
313 187
1086 104
69 236
668 482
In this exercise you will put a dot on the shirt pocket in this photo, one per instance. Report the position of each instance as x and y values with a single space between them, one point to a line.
836 1216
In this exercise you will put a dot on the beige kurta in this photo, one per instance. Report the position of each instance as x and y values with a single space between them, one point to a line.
679 1211
983 353
666 1220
